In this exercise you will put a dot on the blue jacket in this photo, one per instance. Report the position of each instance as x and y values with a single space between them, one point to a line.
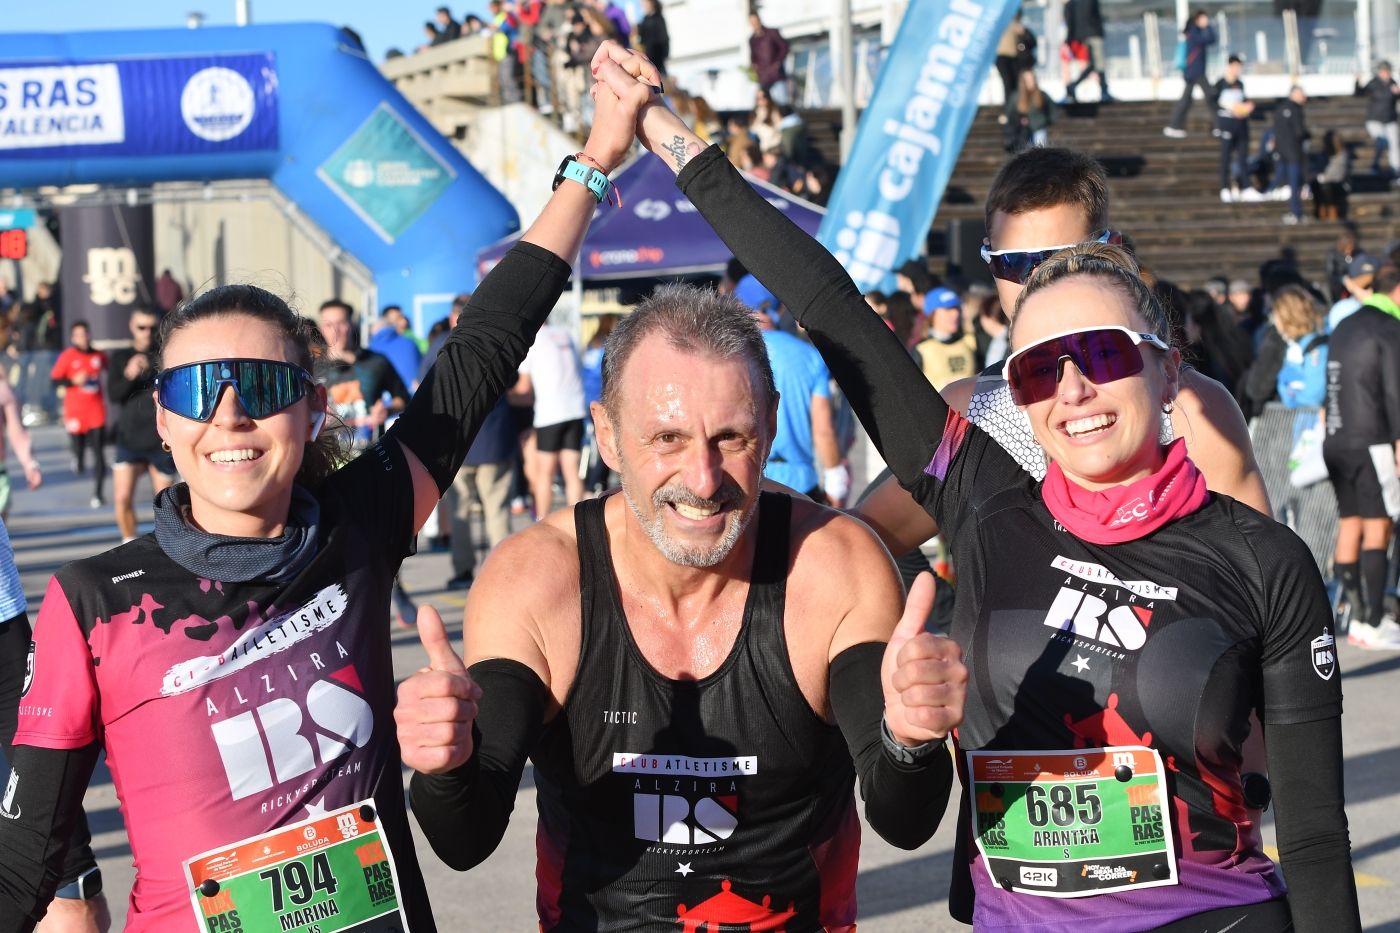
1197 41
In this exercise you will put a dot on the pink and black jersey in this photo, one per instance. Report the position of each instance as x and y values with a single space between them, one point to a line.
231 709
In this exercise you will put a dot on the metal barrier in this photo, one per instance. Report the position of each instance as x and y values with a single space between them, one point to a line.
1311 512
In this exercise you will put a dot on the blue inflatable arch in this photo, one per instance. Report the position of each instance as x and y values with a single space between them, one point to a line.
299 105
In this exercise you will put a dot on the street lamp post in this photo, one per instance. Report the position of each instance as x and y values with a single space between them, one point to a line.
846 72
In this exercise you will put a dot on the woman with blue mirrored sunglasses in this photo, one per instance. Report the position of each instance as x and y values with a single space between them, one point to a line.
258 611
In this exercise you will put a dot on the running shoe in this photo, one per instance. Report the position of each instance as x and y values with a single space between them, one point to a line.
1173 132
1383 637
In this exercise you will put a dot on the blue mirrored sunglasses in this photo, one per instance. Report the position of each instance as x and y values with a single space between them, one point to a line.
263 387
1016 265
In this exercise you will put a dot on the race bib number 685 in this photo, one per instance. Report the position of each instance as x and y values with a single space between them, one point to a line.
1073 822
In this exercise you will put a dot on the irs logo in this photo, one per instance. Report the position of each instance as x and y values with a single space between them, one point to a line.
1087 616
28 672
268 746
1324 655
681 821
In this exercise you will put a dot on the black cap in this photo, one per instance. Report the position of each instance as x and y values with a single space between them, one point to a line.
1234 60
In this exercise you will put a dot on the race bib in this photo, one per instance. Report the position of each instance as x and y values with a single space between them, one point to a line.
1072 822
326 874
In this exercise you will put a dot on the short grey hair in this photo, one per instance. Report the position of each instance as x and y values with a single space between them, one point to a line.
697 320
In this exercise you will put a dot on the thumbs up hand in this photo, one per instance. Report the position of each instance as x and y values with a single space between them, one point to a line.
437 705
922 674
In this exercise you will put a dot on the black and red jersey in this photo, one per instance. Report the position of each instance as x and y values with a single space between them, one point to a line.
1167 642
721 803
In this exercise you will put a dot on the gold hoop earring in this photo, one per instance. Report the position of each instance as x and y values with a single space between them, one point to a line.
164 446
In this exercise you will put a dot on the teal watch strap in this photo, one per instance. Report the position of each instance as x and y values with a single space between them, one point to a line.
592 179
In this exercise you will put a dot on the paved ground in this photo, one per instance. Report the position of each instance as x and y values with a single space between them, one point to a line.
899 891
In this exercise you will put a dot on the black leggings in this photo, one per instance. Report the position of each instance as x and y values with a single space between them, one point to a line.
15 636
1268 917
91 440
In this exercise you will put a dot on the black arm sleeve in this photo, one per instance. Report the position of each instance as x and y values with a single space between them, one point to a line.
938 458
1305 770
904 803
480 358
48 787
898 407
464 813
1302 717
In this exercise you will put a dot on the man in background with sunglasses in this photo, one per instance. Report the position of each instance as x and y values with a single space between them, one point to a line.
138 446
1042 201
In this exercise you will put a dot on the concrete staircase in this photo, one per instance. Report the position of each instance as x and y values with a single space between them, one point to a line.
1166 191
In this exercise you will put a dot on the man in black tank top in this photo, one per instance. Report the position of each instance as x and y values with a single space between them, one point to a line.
696 687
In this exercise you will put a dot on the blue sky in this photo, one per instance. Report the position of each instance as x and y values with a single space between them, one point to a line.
382 23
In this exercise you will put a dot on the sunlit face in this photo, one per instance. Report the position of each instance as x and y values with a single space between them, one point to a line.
1100 435
239 471
945 322
1061 225
689 441
143 329
335 327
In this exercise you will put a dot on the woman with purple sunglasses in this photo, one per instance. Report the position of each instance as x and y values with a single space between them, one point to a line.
1112 678
235 665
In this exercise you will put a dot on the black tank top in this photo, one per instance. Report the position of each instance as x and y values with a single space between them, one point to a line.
669 804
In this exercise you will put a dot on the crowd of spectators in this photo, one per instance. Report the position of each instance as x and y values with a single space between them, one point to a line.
1263 339
541 48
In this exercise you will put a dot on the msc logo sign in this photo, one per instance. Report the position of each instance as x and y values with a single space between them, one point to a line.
112 276
1087 616
269 745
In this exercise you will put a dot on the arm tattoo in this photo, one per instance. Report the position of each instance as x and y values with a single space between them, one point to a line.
677 148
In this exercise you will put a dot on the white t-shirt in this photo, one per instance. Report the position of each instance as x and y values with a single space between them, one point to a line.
553 367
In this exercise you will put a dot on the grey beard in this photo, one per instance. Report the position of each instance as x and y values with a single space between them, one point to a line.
675 553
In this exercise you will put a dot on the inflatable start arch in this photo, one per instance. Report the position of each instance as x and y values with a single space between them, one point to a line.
299 105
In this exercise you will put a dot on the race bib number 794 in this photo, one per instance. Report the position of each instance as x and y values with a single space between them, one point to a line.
327 874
